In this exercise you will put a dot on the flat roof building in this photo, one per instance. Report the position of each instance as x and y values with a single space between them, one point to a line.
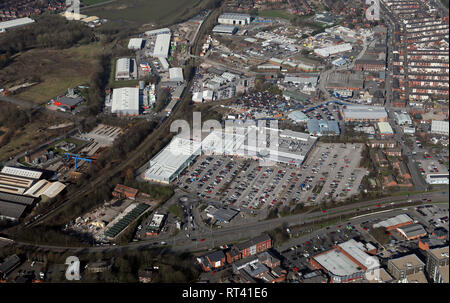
439 127
385 128
162 45
332 50
234 19
124 68
159 31
176 74
225 29
298 116
168 164
364 113
404 266
345 262
403 119
437 264
125 101
135 43
323 128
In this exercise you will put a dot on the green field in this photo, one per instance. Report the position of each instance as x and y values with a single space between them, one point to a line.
139 12
55 70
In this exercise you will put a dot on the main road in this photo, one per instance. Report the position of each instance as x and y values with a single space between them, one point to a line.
215 237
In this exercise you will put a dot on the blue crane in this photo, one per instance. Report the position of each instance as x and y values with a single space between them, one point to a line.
76 158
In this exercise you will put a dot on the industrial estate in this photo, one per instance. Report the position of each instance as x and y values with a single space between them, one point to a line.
263 141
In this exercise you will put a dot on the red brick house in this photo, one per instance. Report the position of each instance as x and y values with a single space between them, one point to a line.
254 246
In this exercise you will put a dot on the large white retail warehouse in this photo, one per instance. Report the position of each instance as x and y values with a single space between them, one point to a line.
234 19
167 165
125 101
291 148
162 46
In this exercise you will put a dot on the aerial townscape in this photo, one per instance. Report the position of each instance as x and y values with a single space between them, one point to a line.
224 141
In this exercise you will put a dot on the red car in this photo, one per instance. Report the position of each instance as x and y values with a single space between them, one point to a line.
324 211
378 205
202 240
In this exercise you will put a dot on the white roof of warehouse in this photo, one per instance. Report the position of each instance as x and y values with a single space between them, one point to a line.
337 263
125 99
365 112
333 49
21 172
135 43
385 128
171 158
44 187
162 45
176 74
439 126
298 115
123 65
356 250
158 31
403 218
14 23
234 16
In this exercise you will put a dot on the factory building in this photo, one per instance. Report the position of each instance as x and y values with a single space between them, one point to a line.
124 68
345 81
298 116
364 113
234 19
323 128
168 164
176 74
13 206
162 46
394 222
125 101
403 119
225 29
156 32
439 127
332 50
135 43
19 22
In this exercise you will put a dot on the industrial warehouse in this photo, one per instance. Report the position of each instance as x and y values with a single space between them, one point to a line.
125 101
19 188
126 69
292 149
364 113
